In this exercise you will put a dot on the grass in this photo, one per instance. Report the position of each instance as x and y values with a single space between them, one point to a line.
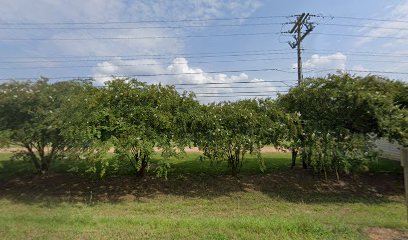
200 201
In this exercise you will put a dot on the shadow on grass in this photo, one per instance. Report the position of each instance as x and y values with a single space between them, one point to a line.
195 179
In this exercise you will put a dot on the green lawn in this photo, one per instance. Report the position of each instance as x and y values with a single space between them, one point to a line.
200 201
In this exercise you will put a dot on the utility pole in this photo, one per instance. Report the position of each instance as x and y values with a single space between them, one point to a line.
302 22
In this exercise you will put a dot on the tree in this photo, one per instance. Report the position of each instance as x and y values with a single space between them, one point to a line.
228 131
137 117
341 114
29 117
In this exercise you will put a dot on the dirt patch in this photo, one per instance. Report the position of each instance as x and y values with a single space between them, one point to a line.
267 149
385 234
295 185
11 150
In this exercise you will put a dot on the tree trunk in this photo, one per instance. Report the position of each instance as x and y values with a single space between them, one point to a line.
44 168
304 156
235 163
294 155
143 167
309 156
234 167
34 159
46 161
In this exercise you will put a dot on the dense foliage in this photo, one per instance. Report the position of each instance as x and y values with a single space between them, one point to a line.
341 115
229 130
30 118
137 118
329 122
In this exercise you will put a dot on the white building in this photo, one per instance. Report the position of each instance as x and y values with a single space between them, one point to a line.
389 150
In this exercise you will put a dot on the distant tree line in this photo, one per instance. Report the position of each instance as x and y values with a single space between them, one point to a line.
329 123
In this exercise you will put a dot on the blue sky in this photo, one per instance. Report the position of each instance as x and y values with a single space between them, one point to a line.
196 60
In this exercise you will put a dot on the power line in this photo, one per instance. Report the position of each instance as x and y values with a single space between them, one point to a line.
361 26
142 38
360 36
126 58
191 55
235 96
368 19
141 21
150 58
235 87
358 53
241 53
141 27
158 74
362 71
210 84
190 62
194 26
177 63
188 36
148 64
193 20
234 82
167 54
191 36
245 92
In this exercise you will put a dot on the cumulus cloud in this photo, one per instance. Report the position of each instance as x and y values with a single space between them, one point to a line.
78 11
189 74
335 61
180 72
360 68
104 71
227 85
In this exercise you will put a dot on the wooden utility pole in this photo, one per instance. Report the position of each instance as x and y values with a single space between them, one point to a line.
302 21
299 55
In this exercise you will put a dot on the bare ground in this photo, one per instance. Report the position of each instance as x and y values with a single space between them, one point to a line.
293 185
267 149
385 234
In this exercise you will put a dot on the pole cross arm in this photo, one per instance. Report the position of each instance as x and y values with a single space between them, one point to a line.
298 22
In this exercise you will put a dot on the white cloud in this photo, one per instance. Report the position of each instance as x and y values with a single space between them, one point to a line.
122 67
78 11
360 68
335 61
179 71
399 15
194 9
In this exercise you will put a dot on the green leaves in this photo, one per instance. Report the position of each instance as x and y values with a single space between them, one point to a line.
229 130
331 121
136 117
341 114
32 116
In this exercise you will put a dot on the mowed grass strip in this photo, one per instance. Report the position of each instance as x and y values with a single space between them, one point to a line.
200 201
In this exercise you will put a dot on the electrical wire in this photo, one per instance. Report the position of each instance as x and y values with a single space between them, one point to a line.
142 27
143 21
149 64
142 38
158 74
149 58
